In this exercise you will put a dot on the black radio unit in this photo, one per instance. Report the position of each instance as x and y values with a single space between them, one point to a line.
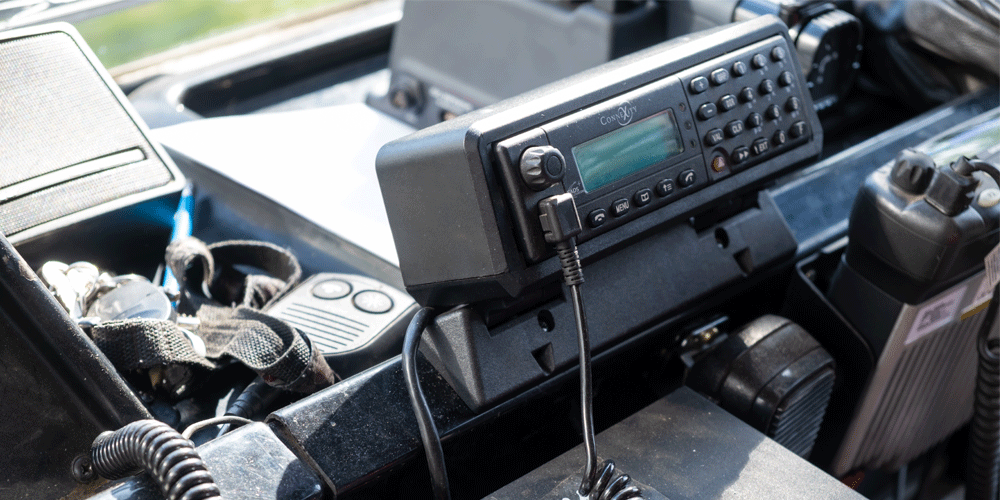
640 142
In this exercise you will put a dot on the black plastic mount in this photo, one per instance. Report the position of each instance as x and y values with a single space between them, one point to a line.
444 53
624 292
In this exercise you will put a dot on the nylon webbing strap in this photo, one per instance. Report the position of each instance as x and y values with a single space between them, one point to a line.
278 353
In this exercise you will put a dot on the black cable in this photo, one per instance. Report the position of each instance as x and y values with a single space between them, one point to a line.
425 421
586 390
599 481
255 398
983 477
208 422
153 446
561 223
984 435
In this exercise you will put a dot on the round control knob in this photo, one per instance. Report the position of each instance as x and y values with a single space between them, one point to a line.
912 171
829 48
542 166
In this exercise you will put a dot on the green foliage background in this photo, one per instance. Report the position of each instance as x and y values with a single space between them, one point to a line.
150 28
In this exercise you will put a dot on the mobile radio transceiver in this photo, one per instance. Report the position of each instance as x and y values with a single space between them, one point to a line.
640 142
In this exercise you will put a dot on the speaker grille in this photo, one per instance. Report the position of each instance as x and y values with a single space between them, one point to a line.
797 420
921 390
929 396
66 141
76 195
57 111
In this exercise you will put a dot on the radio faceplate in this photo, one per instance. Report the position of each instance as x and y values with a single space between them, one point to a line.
645 140
715 119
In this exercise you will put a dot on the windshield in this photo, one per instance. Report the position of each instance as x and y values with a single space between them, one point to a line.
123 31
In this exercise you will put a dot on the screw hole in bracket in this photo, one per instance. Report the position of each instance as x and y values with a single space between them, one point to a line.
721 237
545 321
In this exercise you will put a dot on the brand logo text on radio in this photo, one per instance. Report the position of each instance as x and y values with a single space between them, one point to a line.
622 115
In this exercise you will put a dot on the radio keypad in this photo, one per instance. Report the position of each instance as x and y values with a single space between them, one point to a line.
779 138
698 85
734 128
759 147
798 129
773 112
642 197
719 77
793 104
769 114
766 87
740 155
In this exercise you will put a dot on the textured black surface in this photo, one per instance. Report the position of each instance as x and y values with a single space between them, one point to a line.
57 111
78 194
797 421
774 376
685 448
357 429
58 391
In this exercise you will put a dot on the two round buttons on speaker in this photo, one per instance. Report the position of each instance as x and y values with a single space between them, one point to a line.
369 301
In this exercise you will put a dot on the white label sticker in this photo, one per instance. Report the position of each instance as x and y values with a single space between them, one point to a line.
935 315
985 293
993 267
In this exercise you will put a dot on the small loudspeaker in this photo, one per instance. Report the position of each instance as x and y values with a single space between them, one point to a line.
71 146
774 376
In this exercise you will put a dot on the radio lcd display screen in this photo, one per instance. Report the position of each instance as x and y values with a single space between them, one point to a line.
615 155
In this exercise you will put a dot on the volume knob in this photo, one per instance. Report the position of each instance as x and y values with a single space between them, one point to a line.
542 166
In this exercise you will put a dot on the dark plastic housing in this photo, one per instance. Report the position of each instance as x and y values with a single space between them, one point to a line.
445 54
911 246
773 375
461 238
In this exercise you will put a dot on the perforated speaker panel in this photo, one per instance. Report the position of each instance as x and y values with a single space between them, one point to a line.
68 142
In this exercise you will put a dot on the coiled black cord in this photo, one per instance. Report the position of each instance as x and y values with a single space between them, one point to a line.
428 431
608 487
984 435
598 482
153 446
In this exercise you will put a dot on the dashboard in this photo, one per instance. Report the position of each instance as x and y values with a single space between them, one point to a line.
683 248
